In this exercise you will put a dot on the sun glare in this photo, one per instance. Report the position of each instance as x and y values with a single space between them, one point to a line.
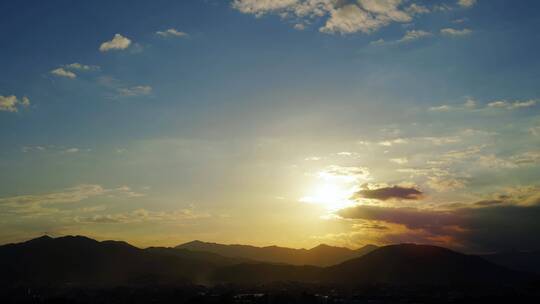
331 196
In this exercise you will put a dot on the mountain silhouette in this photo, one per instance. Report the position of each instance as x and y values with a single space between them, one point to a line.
81 261
419 264
322 255
527 261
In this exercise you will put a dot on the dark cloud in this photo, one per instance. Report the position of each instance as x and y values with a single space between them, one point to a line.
489 203
412 218
493 227
371 226
394 192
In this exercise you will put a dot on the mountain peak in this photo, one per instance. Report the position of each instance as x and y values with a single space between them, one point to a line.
43 238
368 247
323 247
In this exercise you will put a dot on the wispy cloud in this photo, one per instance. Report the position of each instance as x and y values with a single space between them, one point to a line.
518 104
391 142
135 91
81 67
400 160
39 204
409 36
142 215
441 108
171 33
414 35
455 32
471 104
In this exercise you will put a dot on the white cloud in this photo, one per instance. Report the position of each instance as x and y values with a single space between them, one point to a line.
27 149
389 143
503 104
299 26
67 70
135 91
341 17
417 9
409 36
523 104
461 20
466 3
378 42
350 19
455 32
72 150
386 10
260 7
414 35
12 103
399 161
171 33
471 104
81 67
118 42
498 104
61 72
442 108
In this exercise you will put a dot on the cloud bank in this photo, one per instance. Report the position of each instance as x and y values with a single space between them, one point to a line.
506 222
341 17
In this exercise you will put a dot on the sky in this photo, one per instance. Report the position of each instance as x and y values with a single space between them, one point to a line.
272 122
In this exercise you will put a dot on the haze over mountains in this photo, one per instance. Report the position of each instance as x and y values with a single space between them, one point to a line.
80 261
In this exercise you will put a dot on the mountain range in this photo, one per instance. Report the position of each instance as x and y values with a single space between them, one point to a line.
81 261
527 261
322 255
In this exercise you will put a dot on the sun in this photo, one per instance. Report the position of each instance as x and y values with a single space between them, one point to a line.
332 196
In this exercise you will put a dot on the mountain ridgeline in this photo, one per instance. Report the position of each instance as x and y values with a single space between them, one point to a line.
322 255
81 261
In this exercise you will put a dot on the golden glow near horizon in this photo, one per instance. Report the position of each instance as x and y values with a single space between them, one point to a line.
318 133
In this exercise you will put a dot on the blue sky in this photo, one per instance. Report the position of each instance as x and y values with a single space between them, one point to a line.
165 121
